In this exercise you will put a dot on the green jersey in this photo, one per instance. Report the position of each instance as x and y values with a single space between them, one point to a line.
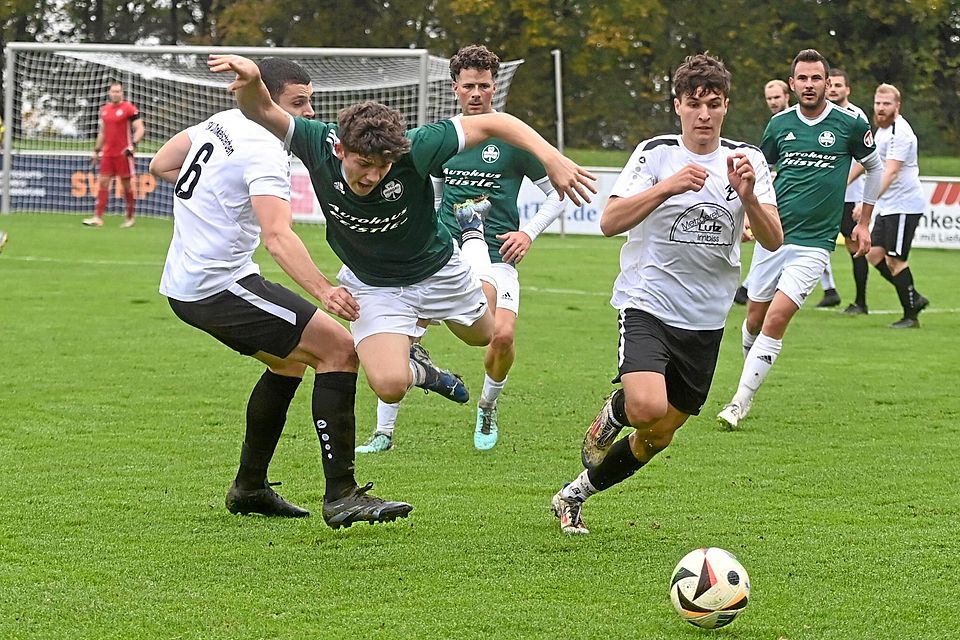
389 237
813 161
494 169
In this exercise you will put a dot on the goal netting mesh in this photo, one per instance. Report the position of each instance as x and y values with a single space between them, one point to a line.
53 94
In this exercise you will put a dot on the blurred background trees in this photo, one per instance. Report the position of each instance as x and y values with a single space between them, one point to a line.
618 55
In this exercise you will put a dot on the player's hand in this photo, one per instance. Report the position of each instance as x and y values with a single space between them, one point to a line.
861 238
741 174
246 69
570 179
94 158
339 302
857 210
691 178
515 246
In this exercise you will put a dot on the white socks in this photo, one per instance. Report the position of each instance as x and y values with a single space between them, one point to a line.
491 391
826 278
387 416
748 339
762 355
580 489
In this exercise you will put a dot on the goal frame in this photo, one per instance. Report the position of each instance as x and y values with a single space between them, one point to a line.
15 48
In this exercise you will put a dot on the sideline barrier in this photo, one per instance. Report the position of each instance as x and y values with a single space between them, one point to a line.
63 182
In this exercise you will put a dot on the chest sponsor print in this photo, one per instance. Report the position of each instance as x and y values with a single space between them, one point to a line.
704 223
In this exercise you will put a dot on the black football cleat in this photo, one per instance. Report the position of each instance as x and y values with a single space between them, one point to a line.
264 501
358 506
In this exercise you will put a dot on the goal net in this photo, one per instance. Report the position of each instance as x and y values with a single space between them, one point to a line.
53 94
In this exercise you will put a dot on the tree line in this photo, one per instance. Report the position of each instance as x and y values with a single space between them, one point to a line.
618 55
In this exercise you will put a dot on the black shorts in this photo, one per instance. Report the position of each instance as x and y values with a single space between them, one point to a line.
847 223
894 233
252 315
687 359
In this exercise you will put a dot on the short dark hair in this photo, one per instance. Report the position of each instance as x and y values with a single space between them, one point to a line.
474 56
277 73
810 55
839 73
373 129
700 74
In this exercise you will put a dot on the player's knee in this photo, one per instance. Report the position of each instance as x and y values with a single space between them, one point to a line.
390 390
646 410
502 342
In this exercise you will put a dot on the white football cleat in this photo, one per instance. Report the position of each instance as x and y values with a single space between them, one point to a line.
732 414
571 522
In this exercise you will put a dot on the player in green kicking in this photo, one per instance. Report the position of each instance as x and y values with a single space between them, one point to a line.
490 173
372 179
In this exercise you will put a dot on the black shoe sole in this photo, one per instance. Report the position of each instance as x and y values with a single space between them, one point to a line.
386 518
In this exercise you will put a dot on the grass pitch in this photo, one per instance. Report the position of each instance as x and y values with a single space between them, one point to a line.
120 430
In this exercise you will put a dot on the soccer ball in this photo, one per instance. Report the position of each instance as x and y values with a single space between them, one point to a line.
709 588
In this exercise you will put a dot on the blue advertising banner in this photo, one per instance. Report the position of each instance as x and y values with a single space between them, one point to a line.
68 182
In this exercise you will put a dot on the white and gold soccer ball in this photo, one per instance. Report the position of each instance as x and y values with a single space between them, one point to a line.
709 588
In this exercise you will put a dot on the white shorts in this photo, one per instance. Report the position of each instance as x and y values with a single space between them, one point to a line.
453 293
507 282
792 269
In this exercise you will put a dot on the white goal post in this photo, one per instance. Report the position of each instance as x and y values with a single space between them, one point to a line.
52 94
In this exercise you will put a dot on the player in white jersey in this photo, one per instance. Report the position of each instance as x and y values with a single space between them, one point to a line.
232 186
838 92
901 203
683 201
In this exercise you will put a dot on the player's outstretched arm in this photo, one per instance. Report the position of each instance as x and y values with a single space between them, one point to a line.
291 254
169 159
569 179
252 95
764 219
624 213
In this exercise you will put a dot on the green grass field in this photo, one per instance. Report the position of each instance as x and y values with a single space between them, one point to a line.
120 431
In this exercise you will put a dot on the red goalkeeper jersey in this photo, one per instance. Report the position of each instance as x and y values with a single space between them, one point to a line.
115 120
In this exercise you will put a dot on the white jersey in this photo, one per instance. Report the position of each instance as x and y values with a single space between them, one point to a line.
905 193
215 230
682 263
855 189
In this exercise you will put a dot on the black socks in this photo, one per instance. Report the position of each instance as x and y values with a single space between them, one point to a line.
266 417
334 395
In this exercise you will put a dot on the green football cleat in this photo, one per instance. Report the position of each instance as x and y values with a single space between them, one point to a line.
376 443
485 434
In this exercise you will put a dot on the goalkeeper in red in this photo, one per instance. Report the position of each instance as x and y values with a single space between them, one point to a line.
121 130
812 145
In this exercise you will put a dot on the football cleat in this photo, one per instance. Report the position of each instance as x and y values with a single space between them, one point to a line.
376 443
126 224
485 434
93 222
471 213
569 512
731 415
922 303
3 239
358 506
264 501
855 310
447 384
830 299
600 436
906 323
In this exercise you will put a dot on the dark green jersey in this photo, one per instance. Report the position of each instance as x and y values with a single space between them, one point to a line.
495 169
389 237
813 161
